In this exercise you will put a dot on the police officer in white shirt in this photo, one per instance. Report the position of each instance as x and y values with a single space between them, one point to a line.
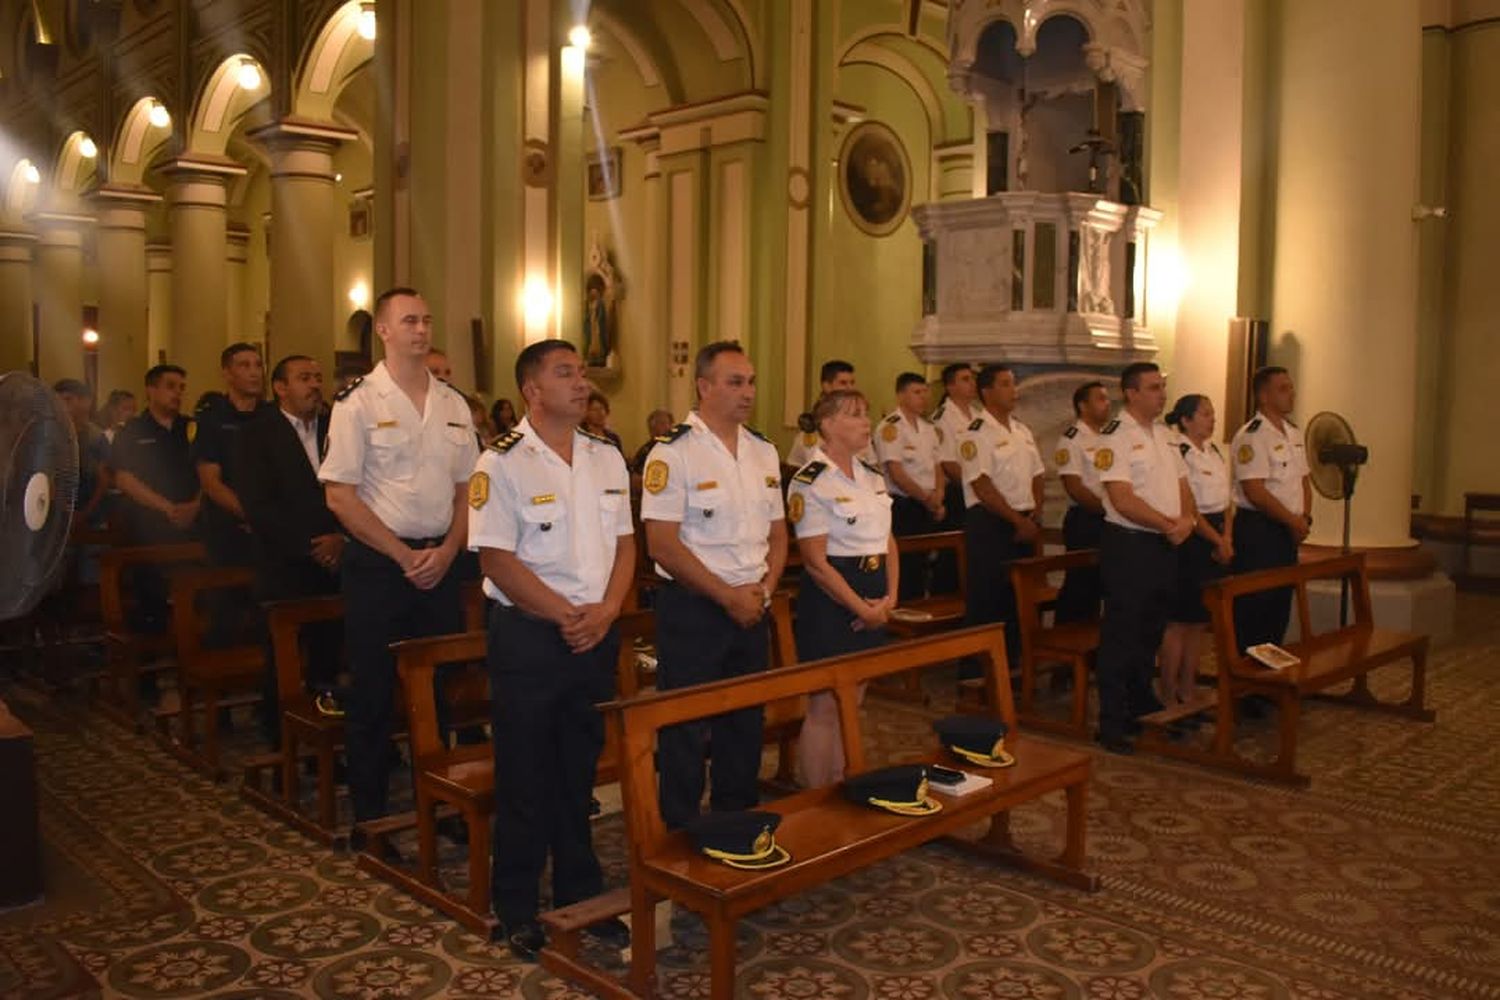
1207 553
841 511
954 414
907 446
400 450
833 376
1002 477
715 528
1273 498
1083 524
1148 512
550 517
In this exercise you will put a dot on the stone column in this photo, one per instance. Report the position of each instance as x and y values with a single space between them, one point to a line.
58 276
123 346
159 342
15 299
196 194
303 217
239 326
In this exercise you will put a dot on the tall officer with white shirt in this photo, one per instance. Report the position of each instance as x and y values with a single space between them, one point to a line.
907 445
550 517
841 511
1148 512
715 528
832 376
1083 524
1002 477
400 450
1273 497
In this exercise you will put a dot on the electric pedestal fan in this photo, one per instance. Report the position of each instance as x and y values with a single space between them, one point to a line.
1333 461
38 481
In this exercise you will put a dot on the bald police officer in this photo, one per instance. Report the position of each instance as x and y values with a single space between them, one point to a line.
550 518
1273 497
714 525
400 450
1148 512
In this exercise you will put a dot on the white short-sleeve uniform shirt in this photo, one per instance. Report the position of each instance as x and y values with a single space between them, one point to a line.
403 464
951 422
1207 475
1075 457
1278 456
561 520
724 503
1147 459
914 445
1007 455
854 511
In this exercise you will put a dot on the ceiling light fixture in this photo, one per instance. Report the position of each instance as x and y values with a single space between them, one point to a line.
158 115
87 149
249 76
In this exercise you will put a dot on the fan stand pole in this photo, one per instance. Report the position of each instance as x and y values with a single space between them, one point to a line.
1349 472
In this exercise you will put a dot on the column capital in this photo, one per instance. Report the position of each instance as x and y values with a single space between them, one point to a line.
719 122
122 206
200 170
159 258
59 229
302 148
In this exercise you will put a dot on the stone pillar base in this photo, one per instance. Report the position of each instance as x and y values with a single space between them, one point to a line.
1424 605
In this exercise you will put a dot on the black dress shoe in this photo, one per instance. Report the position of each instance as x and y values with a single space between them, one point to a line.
1116 744
525 938
611 932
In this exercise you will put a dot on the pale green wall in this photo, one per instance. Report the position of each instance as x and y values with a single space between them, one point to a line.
1433 335
353 260
1163 145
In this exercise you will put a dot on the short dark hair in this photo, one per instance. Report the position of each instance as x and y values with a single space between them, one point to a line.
833 369
1081 394
1130 378
1185 409
1262 378
950 372
278 374
495 411
990 372
598 397
391 293
226 356
534 356
71 387
115 397
708 352
155 372
909 378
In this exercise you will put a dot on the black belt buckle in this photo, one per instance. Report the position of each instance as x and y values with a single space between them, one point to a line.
869 564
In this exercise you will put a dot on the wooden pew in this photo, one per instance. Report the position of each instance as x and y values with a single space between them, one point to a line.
946 611
1327 659
826 835
1072 644
211 673
130 654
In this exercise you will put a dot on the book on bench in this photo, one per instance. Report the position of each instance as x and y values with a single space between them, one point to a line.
1273 656
971 783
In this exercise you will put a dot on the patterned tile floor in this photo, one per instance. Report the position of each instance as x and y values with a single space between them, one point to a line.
1379 881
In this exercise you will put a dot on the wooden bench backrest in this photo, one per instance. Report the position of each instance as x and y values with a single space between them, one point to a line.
639 720
1220 596
114 564
939 541
285 620
188 585
417 661
1029 580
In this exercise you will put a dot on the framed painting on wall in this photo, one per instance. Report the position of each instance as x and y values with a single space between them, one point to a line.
875 178
602 178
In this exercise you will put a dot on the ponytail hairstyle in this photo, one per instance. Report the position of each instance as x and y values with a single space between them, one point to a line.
1185 409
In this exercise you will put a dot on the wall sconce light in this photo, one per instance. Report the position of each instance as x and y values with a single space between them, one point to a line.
87 149
366 23
91 338
31 173
359 295
580 37
158 115
536 306
249 76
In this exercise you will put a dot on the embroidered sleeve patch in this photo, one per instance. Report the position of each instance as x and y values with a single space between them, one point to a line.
1245 454
1061 458
969 450
889 433
795 505
1104 459
479 490
655 479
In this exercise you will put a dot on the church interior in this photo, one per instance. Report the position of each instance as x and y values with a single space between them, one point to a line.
1063 186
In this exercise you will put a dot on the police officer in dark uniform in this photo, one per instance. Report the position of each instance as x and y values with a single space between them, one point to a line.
154 471
226 532
400 451
550 518
1083 524
1273 501
714 524
1148 512
841 511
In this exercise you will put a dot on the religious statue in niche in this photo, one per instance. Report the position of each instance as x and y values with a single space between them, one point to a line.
602 292
875 179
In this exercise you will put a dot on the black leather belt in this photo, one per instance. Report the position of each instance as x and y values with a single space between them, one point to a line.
422 543
865 564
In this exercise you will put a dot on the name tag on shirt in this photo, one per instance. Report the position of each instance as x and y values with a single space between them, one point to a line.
710 485
388 423
544 498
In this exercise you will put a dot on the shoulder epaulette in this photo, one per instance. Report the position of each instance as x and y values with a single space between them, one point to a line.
1215 447
674 433
1288 422
1253 425
505 442
756 433
594 437
1110 427
937 414
873 468
1183 447
809 472
894 418
1071 432
977 424
342 393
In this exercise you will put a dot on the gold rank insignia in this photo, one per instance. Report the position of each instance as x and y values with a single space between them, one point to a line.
969 450
1245 454
479 489
1061 458
542 498
655 479
772 482
1104 458
809 439
192 430
889 433
794 507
